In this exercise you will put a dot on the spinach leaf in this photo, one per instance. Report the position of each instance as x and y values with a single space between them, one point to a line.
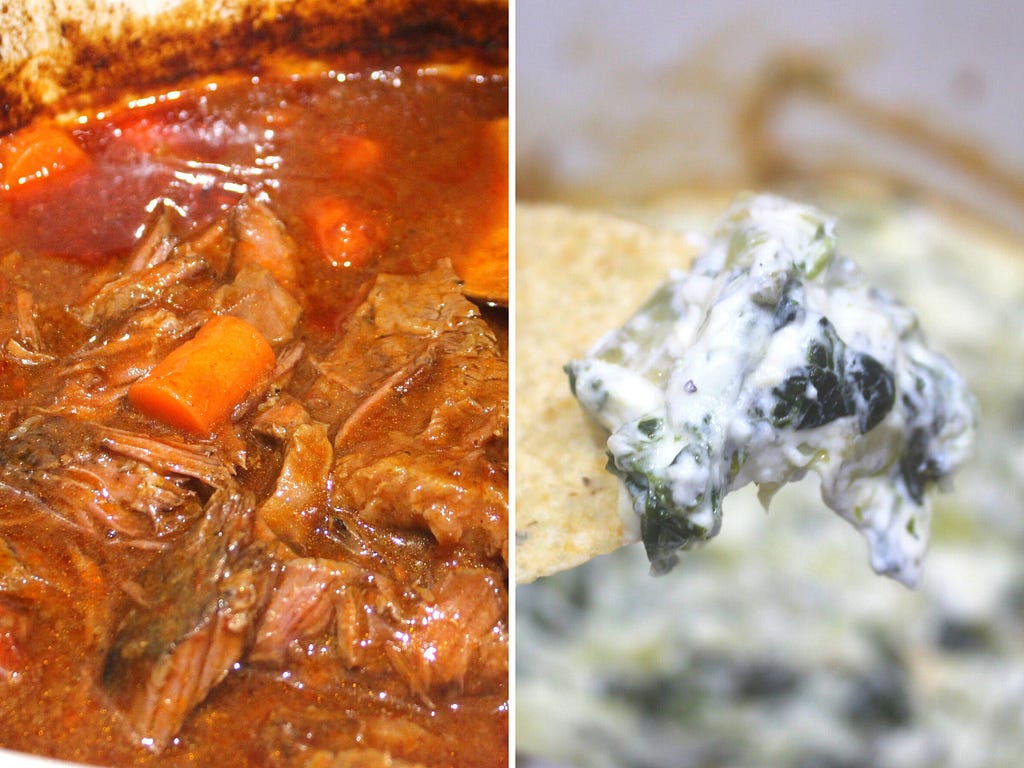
835 382
790 306
921 461
667 526
874 389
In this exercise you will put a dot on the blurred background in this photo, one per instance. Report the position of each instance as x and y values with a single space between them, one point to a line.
618 100
775 645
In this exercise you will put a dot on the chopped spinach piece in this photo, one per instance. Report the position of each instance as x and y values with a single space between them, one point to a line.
790 307
813 395
918 466
666 526
835 382
874 388
650 427
664 533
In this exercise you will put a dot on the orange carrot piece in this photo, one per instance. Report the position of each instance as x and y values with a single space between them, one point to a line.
483 269
344 233
199 384
36 153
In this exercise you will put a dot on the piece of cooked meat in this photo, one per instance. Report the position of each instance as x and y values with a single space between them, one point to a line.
259 299
197 615
421 437
68 467
303 605
431 636
296 506
401 317
261 239
133 291
457 628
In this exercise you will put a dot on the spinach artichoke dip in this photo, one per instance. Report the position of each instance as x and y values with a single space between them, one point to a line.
775 645
773 356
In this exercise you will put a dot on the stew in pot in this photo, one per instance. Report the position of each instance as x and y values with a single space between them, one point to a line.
253 405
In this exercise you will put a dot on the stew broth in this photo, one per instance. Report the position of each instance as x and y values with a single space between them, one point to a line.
319 572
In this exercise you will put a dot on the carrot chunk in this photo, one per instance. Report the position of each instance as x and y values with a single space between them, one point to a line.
483 268
36 153
343 231
199 384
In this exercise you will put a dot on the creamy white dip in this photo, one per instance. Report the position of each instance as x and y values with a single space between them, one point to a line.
771 357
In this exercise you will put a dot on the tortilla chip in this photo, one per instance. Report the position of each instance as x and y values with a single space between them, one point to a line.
578 276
